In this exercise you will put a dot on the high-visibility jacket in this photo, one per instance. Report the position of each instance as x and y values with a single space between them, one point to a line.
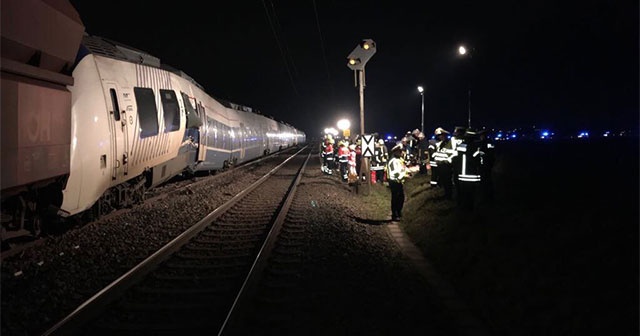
343 154
396 170
469 161
327 152
445 152
380 158
432 151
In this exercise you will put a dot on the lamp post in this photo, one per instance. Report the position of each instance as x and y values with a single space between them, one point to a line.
421 90
343 125
357 59
462 50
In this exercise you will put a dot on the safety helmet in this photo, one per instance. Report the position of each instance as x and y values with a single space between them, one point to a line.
440 130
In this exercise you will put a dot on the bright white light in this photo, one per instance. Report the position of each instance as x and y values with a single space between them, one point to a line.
462 50
331 131
344 124
420 89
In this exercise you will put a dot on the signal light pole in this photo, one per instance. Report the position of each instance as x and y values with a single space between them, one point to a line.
357 59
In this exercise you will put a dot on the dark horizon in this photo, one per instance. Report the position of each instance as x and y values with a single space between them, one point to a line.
564 66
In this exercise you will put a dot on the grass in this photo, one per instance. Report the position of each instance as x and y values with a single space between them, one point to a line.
555 254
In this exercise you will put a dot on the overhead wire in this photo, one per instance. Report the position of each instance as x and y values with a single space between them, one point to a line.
282 51
284 41
324 57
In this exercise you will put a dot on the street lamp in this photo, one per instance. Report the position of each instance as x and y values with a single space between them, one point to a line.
421 90
343 125
462 50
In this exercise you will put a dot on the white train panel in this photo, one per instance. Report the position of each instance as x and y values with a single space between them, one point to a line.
129 119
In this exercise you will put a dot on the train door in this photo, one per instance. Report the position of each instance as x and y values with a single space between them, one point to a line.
119 130
202 148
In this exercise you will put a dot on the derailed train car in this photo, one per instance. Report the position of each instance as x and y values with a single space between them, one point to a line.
129 123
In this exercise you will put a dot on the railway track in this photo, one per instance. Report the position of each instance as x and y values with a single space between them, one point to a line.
200 281
175 185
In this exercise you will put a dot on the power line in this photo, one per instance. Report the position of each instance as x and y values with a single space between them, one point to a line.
282 53
284 41
324 58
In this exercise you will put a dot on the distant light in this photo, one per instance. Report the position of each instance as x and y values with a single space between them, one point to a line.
389 137
344 124
462 50
583 134
331 130
606 134
420 89
545 133
513 136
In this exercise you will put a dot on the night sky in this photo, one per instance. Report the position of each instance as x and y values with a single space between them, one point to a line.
563 65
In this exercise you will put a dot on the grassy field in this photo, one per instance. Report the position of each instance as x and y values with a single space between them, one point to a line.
556 253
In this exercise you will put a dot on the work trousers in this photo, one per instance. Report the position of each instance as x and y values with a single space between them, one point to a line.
397 198
445 174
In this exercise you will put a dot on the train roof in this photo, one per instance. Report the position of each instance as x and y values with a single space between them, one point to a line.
116 50
112 49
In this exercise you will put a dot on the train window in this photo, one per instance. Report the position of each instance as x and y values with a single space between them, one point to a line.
171 110
114 104
147 111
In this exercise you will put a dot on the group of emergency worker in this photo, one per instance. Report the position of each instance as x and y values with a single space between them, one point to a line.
345 159
460 164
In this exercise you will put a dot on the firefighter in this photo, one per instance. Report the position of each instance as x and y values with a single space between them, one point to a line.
422 148
467 168
443 157
456 139
352 163
379 162
397 173
327 157
433 164
343 160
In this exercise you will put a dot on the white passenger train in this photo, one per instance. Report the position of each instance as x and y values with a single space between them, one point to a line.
133 124
137 123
